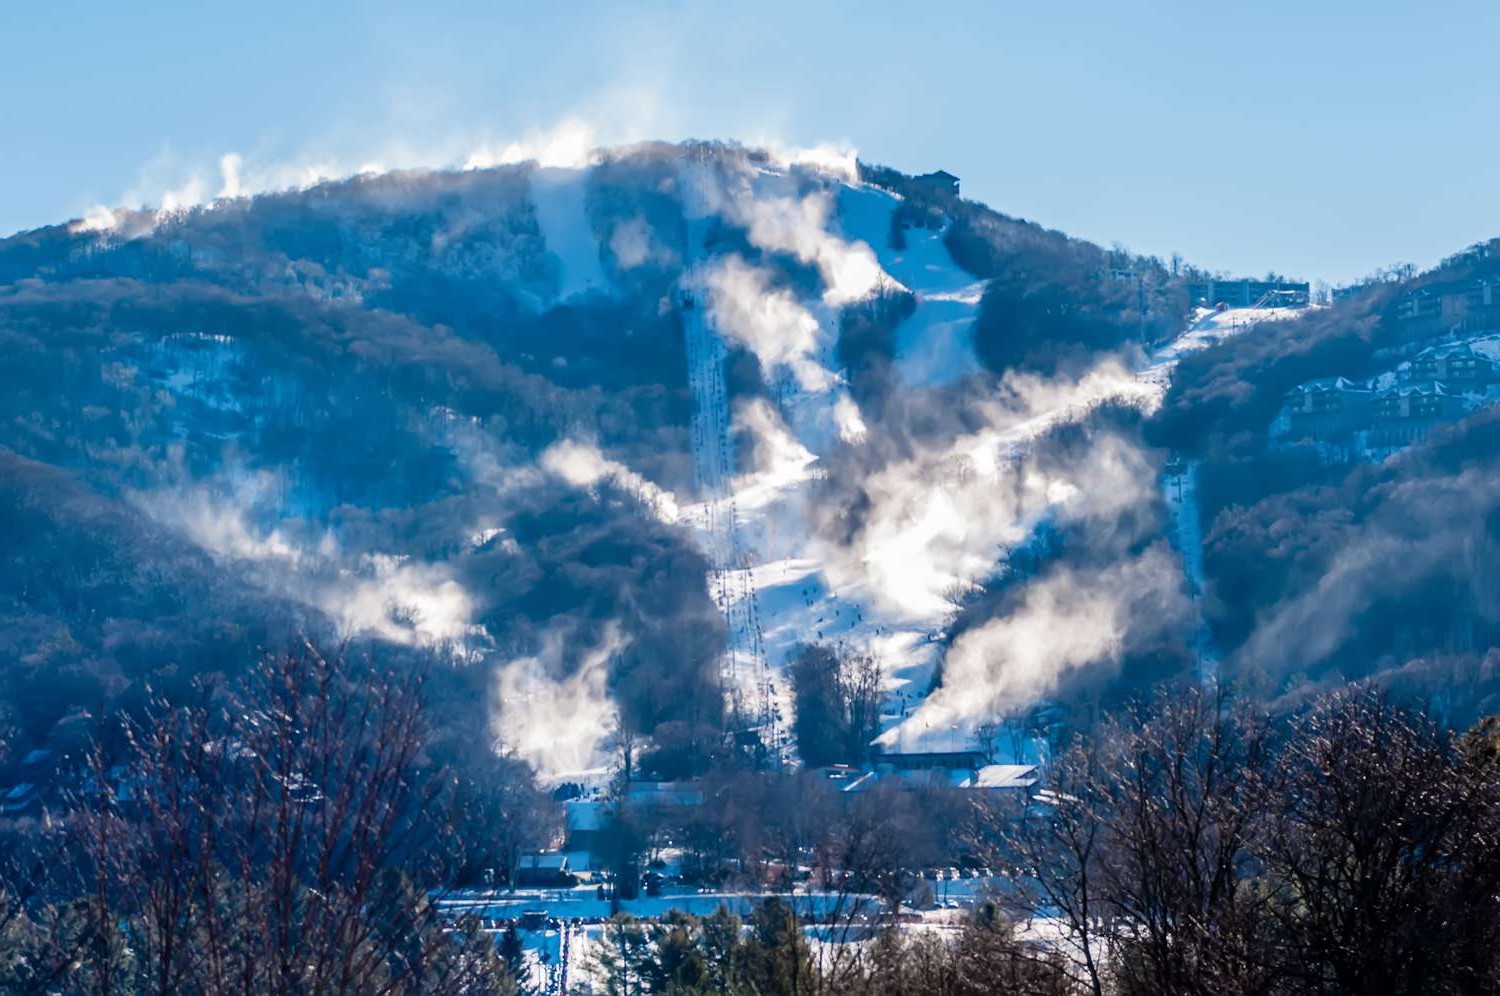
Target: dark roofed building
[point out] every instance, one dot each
(545, 869)
(1330, 408)
(941, 181)
(964, 760)
(1406, 414)
(1429, 311)
(1458, 365)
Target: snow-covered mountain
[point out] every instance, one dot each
(614, 444)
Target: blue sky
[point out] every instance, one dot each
(1320, 139)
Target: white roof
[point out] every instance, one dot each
(991, 776)
(555, 860)
(583, 816)
(999, 776)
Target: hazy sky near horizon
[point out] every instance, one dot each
(1318, 139)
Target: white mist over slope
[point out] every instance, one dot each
(822, 522)
(584, 466)
(938, 520)
(365, 593)
(559, 720)
(1067, 618)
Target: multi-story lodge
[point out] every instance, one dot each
(1403, 415)
(1330, 408)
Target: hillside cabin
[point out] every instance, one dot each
(940, 182)
(585, 823)
(947, 760)
(544, 869)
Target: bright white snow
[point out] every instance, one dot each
(558, 195)
(935, 345)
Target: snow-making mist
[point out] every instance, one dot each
(617, 441)
(939, 520)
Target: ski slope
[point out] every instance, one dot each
(773, 576)
(558, 194)
(1180, 484)
(935, 345)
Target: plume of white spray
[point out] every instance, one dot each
(1067, 619)
(781, 461)
(767, 321)
(378, 594)
(780, 218)
(583, 466)
(230, 166)
(848, 418)
(840, 160)
(570, 143)
(559, 722)
(633, 245)
(799, 226)
(937, 520)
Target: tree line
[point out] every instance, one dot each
(288, 835)
(1193, 844)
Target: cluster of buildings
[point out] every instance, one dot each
(589, 823)
(1442, 309)
(1373, 415)
(1250, 293)
(1447, 339)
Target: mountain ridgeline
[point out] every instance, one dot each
(441, 415)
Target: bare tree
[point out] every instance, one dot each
(1386, 838)
(283, 840)
(1185, 790)
(1050, 854)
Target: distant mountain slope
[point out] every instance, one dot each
(462, 416)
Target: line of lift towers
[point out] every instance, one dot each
(745, 663)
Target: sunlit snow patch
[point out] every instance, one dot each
(558, 195)
(935, 344)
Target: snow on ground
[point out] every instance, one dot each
(1207, 327)
(1486, 345)
(749, 686)
(935, 345)
(770, 577)
(1180, 489)
(558, 195)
